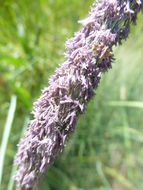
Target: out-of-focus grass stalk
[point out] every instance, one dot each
(6, 133)
(134, 104)
(112, 172)
(11, 179)
(123, 103)
(128, 146)
(102, 175)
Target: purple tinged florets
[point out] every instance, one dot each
(89, 54)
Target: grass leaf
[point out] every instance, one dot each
(14, 168)
(6, 133)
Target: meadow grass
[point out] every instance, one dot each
(105, 152)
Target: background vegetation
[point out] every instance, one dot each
(106, 150)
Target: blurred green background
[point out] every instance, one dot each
(106, 150)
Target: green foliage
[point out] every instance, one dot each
(105, 152)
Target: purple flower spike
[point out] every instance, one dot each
(89, 54)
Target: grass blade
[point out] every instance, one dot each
(134, 104)
(14, 168)
(119, 177)
(6, 133)
(102, 175)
